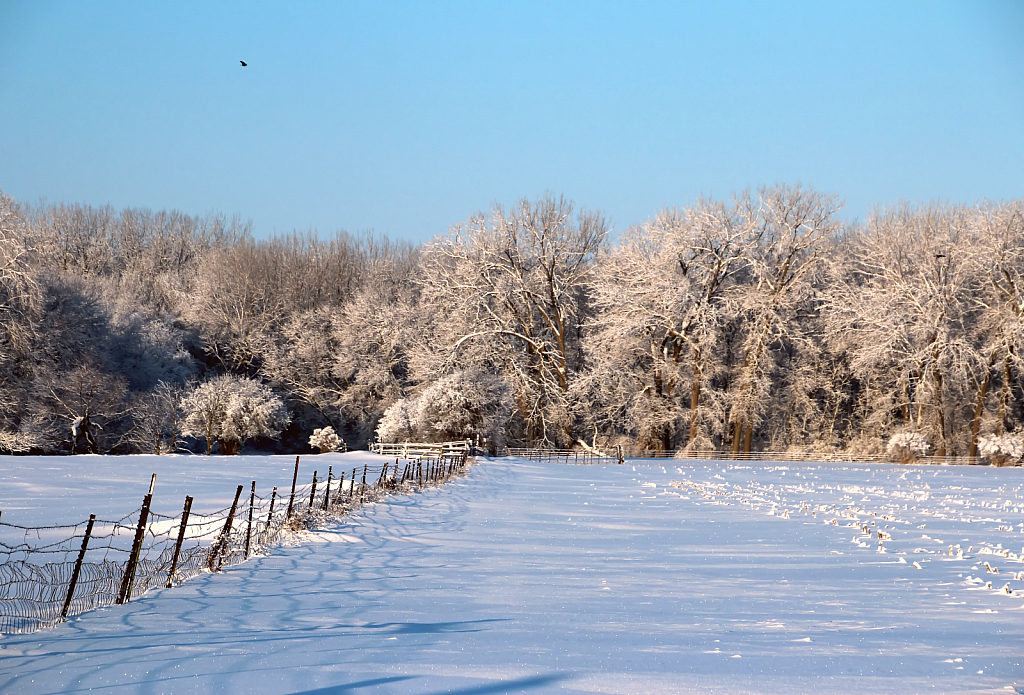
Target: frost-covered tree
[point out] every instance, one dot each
(157, 416)
(232, 410)
(903, 311)
(791, 227)
(514, 283)
(998, 264)
(661, 299)
(399, 423)
(92, 405)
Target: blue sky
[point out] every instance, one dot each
(406, 118)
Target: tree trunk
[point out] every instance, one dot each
(979, 410)
(1004, 395)
(737, 436)
(695, 400)
(940, 418)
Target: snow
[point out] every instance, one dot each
(42, 490)
(530, 577)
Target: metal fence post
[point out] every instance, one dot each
(327, 492)
(248, 530)
(270, 517)
(78, 568)
(181, 538)
(133, 558)
(312, 492)
(295, 478)
(341, 489)
(224, 535)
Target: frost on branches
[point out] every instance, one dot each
(325, 440)
(459, 406)
(907, 447)
(232, 410)
(1001, 449)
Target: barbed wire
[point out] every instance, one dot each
(107, 562)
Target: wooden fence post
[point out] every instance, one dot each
(270, 517)
(140, 535)
(221, 545)
(78, 568)
(181, 538)
(327, 492)
(248, 530)
(312, 492)
(352, 488)
(362, 486)
(295, 477)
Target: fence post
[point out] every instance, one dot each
(327, 492)
(78, 567)
(341, 489)
(270, 517)
(181, 538)
(248, 530)
(140, 534)
(295, 477)
(352, 488)
(362, 486)
(225, 534)
(419, 469)
(312, 492)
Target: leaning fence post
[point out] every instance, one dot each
(181, 539)
(133, 558)
(295, 477)
(352, 488)
(312, 492)
(327, 492)
(362, 488)
(248, 530)
(225, 534)
(78, 567)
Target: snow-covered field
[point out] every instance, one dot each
(526, 577)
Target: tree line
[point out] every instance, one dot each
(762, 322)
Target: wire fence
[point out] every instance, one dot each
(620, 454)
(51, 573)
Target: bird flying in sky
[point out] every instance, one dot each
(243, 63)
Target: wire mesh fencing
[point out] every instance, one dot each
(51, 573)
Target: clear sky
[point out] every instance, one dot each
(406, 118)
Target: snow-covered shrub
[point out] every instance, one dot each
(325, 439)
(907, 447)
(1001, 449)
(865, 446)
(460, 406)
(697, 448)
(232, 410)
